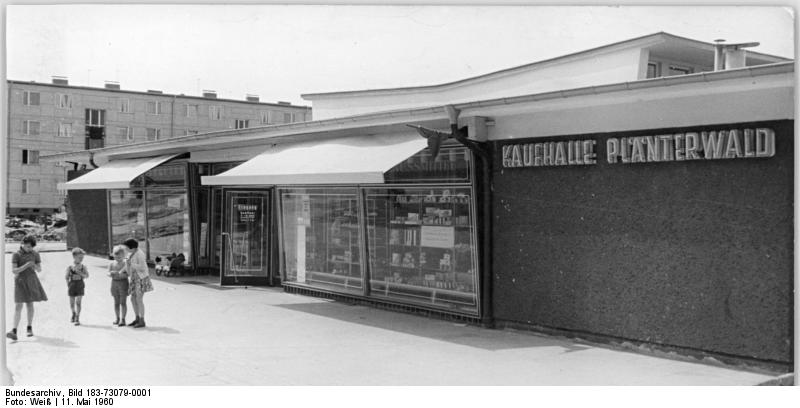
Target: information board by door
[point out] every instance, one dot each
(245, 237)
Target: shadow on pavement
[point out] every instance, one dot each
(55, 342)
(167, 330)
(96, 326)
(465, 335)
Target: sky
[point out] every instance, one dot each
(282, 51)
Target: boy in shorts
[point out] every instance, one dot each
(75, 275)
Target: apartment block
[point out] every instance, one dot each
(49, 118)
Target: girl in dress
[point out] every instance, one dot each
(27, 288)
(118, 272)
(140, 280)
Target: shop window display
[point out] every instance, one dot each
(322, 238)
(422, 246)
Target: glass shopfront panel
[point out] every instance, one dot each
(423, 247)
(322, 239)
(452, 165)
(168, 224)
(173, 174)
(127, 216)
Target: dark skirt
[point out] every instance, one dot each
(76, 288)
(27, 288)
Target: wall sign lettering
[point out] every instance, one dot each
(710, 145)
(563, 153)
(723, 144)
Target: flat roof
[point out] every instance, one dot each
(91, 88)
(644, 40)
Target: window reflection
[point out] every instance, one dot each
(168, 224)
(127, 215)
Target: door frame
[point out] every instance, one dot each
(226, 243)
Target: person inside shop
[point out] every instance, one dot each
(26, 263)
(140, 282)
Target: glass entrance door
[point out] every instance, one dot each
(245, 237)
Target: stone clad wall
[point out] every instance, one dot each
(695, 254)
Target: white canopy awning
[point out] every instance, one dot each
(114, 174)
(346, 160)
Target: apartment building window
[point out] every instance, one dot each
(30, 186)
(215, 112)
(191, 111)
(30, 98)
(242, 124)
(30, 156)
(125, 105)
(652, 70)
(153, 134)
(154, 108)
(679, 70)
(30, 127)
(95, 117)
(65, 130)
(288, 118)
(265, 119)
(63, 101)
(125, 134)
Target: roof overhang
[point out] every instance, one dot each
(432, 117)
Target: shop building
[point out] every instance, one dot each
(655, 211)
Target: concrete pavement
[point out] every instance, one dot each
(202, 334)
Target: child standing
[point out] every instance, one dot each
(27, 288)
(75, 275)
(118, 271)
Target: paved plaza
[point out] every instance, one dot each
(202, 334)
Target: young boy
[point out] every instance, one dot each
(75, 275)
(118, 272)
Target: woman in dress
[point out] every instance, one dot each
(140, 280)
(27, 288)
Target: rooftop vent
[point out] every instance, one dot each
(154, 91)
(284, 103)
(730, 56)
(112, 85)
(209, 94)
(252, 98)
(60, 80)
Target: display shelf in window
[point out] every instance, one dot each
(424, 248)
(443, 297)
(334, 279)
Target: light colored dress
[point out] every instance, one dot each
(140, 274)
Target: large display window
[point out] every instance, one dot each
(168, 224)
(154, 212)
(422, 246)
(322, 239)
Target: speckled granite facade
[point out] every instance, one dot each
(694, 254)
